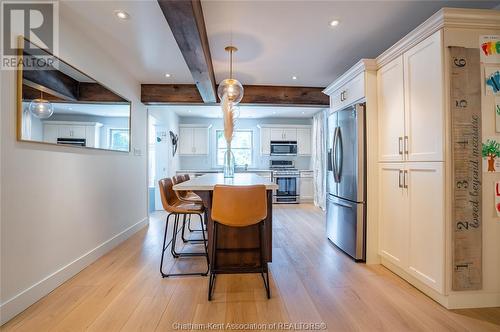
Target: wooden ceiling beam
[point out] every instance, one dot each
(254, 94)
(186, 21)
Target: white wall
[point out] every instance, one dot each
(259, 161)
(165, 164)
(63, 207)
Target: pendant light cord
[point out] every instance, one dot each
(231, 64)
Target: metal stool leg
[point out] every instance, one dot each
(263, 262)
(164, 242)
(211, 281)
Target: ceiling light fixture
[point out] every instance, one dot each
(167, 75)
(122, 15)
(294, 78)
(334, 23)
(41, 108)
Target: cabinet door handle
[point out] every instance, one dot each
(400, 145)
(405, 178)
(406, 144)
(399, 178)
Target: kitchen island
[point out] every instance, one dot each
(232, 238)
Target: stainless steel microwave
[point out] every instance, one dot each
(283, 148)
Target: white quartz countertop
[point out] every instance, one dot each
(208, 181)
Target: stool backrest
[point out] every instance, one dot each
(168, 197)
(239, 206)
(178, 179)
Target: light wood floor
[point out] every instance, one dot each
(312, 282)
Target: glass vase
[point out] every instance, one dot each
(229, 164)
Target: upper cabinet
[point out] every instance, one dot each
(299, 133)
(391, 115)
(304, 146)
(283, 134)
(411, 104)
(349, 93)
(193, 140)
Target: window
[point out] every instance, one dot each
(241, 146)
(119, 139)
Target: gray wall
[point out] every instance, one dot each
(208, 162)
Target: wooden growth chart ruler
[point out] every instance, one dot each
(465, 82)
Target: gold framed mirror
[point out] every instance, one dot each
(59, 104)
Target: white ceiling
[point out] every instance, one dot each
(276, 39)
(245, 111)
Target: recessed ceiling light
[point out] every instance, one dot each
(294, 77)
(303, 112)
(122, 15)
(334, 23)
(189, 111)
(274, 112)
(167, 75)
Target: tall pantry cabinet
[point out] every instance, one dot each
(411, 154)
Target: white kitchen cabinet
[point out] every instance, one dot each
(299, 133)
(193, 140)
(424, 100)
(185, 140)
(411, 215)
(426, 239)
(391, 117)
(304, 141)
(349, 93)
(72, 131)
(90, 131)
(265, 141)
(306, 186)
(283, 134)
(50, 133)
(393, 211)
(200, 140)
(411, 104)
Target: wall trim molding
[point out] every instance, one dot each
(453, 300)
(444, 18)
(360, 66)
(32, 294)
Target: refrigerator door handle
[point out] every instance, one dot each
(343, 205)
(336, 175)
(340, 153)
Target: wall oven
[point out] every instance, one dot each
(283, 148)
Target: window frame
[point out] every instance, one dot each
(110, 138)
(252, 156)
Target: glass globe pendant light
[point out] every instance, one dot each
(41, 108)
(230, 87)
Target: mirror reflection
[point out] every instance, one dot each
(61, 105)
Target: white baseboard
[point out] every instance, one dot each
(23, 300)
(453, 300)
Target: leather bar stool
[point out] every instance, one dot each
(178, 208)
(239, 206)
(189, 197)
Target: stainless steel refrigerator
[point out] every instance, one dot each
(346, 181)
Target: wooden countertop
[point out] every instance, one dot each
(208, 181)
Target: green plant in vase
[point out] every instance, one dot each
(491, 150)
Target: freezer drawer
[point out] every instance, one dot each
(345, 226)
